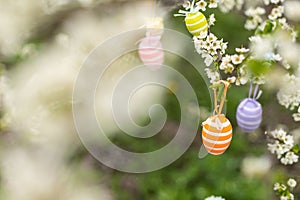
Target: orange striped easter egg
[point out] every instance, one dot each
(216, 134)
(196, 23)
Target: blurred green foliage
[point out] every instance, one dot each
(194, 178)
(191, 177)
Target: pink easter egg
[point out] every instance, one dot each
(151, 52)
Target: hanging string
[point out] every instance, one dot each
(215, 102)
(250, 90)
(218, 109)
(226, 85)
(258, 95)
(255, 91)
(193, 4)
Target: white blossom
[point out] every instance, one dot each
(242, 50)
(213, 3)
(226, 59)
(276, 13)
(210, 48)
(283, 147)
(241, 80)
(279, 133)
(276, 148)
(292, 182)
(251, 24)
(255, 18)
(283, 187)
(226, 5)
(214, 198)
(211, 20)
(284, 198)
(186, 5)
(231, 79)
(273, 57)
(284, 160)
(213, 75)
(215, 45)
(284, 25)
(255, 39)
(289, 140)
(237, 59)
(226, 67)
(296, 117)
(291, 158)
(277, 57)
(276, 186)
(259, 80)
(294, 35)
(276, 1)
(208, 59)
(211, 38)
(201, 5)
(284, 191)
(255, 11)
(289, 93)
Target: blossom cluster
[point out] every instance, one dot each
(213, 50)
(201, 5)
(210, 47)
(289, 96)
(229, 63)
(273, 43)
(254, 17)
(227, 5)
(214, 198)
(284, 147)
(284, 191)
(263, 46)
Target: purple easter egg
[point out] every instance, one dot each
(249, 115)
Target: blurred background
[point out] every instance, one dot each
(43, 44)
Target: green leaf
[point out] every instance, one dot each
(295, 149)
(258, 67)
(268, 27)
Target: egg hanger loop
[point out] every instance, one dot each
(256, 94)
(259, 94)
(218, 108)
(250, 90)
(255, 91)
(226, 85)
(215, 102)
(192, 6)
(192, 9)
